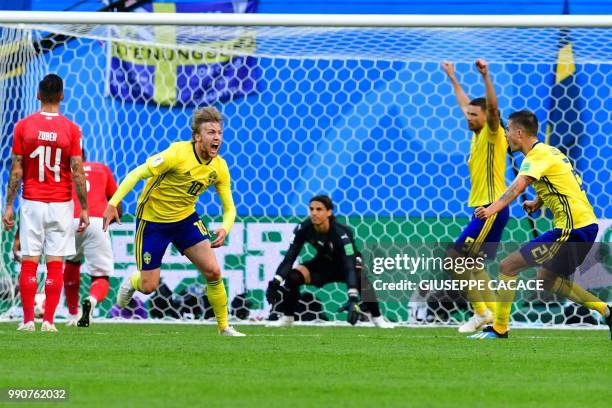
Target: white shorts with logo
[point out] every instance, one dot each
(46, 228)
(94, 246)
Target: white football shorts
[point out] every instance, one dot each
(46, 228)
(94, 246)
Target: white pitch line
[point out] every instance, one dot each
(284, 335)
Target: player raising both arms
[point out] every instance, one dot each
(487, 165)
(47, 157)
(337, 260)
(557, 252)
(166, 211)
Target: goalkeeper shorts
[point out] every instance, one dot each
(323, 271)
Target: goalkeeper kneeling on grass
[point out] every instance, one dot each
(336, 261)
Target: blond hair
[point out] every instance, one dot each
(205, 115)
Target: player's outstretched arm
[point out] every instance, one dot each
(285, 266)
(519, 185)
(348, 261)
(492, 104)
(111, 214)
(462, 99)
(15, 177)
(229, 214)
(292, 253)
(79, 179)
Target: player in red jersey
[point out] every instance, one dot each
(47, 158)
(94, 245)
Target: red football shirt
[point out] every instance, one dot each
(47, 141)
(101, 186)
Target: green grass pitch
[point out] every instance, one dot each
(190, 365)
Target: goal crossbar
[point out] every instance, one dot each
(304, 20)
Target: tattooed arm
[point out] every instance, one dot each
(78, 177)
(15, 177)
(519, 185)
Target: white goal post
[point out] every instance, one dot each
(355, 106)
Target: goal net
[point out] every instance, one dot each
(364, 114)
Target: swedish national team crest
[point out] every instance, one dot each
(147, 258)
(212, 178)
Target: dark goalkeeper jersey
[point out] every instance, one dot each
(336, 246)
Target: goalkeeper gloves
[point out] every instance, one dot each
(272, 291)
(353, 307)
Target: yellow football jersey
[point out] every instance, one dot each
(558, 186)
(487, 164)
(179, 177)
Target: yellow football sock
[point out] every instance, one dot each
(589, 300)
(135, 280)
(488, 296)
(577, 294)
(473, 295)
(218, 300)
(504, 305)
(480, 308)
(597, 305)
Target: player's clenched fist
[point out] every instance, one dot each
(482, 66)
(531, 206)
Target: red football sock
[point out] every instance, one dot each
(72, 280)
(53, 288)
(27, 289)
(99, 287)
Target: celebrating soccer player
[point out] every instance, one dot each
(336, 260)
(47, 156)
(487, 165)
(557, 252)
(166, 211)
